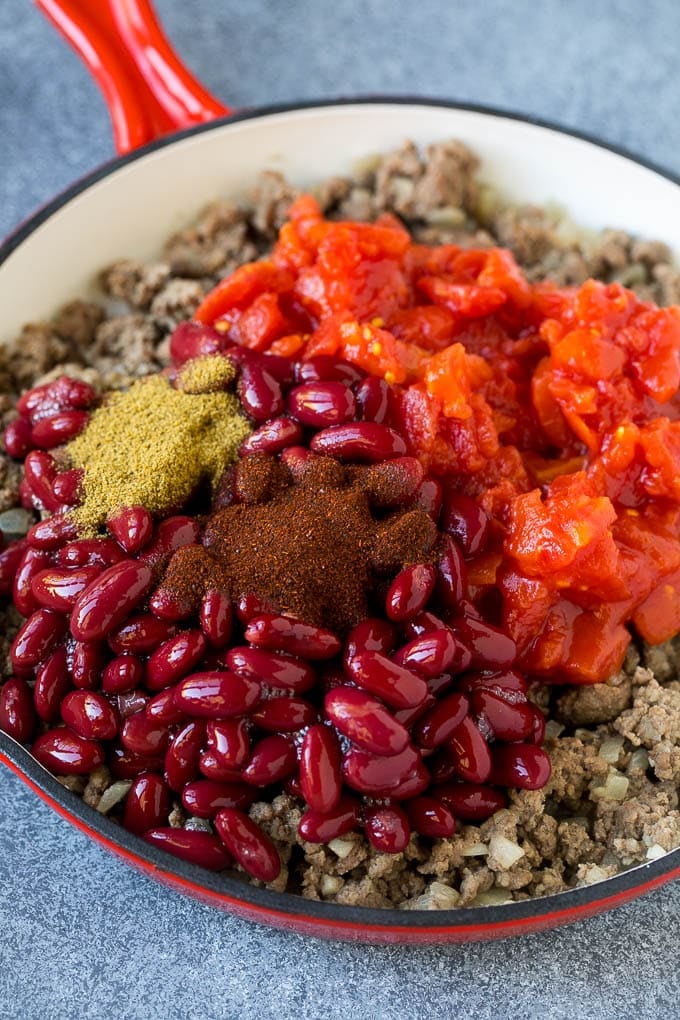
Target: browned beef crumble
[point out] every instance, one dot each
(612, 800)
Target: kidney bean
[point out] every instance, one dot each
(58, 429)
(216, 618)
(272, 437)
(292, 786)
(39, 636)
(381, 777)
(205, 797)
(17, 714)
(68, 486)
(105, 603)
(90, 552)
(297, 459)
(440, 766)
(260, 393)
(132, 527)
(182, 757)
(200, 848)
(504, 683)
(321, 769)
(538, 726)
(374, 399)
(319, 405)
(10, 558)
(26, 497)
(131, 702)
(466, 521)
(122, 674)
(174, 659)
(391, 484)
(272, 759)
(408, 716)
(441, 722)
(410, 591)
(452, 574)
(281, 368)
(429, 497)
(216, 694)
(140, 634)
(327, 368)
(126, 765)
(40, 470)
(210, 766)
(163, 710)
(62, 394)
(87, 663)
(144, 736)
(511, 722)
(251, 605)
(193, 340)
(372, 634)
(393, 684)
(65, 753)
(433, 653)
(471, 802)
(248, 844)
(490, 647)
(60, 589)
(275, 669)
(17, 438)
(147, 804)
(430, 817)
(318, 827)
(363, 441)
(229, 739)
(283, 715)
(521, 766)
(387, 828)
(365, 721)
(283, 634)
(89, 715)
(171, 534)
(32, 563)
(169, 605)
(470, 752)
(53, 532)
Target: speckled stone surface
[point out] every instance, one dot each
(80, 934)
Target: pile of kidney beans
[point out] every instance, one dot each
(413, 720)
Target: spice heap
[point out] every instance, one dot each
(154, 444)
(311, 549)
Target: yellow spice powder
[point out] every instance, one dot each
(152, 445)
(205, 375)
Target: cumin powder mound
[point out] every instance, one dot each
(153, 445)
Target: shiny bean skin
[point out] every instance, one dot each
(105, 603)
(260, 393)
(126, 765)
(326, 368)
(272, 437)
(452, 579)
(216, 617)
(87, 663)
(387, 828)
(40, 470)
(410, 591)
(210, 766)
(521, 766)
(193, 340)
(276, 669)
(272, 759)
(162, 708)
(321, 769)
(171, 534)
(373, 634)
(132, 527)
(363, 441)
(511, 722)
(58, 429)
(17, 438)
(374, 400)
(365, 721)
(89, 715)
(174, 659)
(122, 674)
(147, 804)
(433, 653)
(423, 623)
(60, 589)
(17, 714)
(282, 634)
(144, 735)
(283, 715)
(182, 757)
(538, 727)
(53, 532)
(430, 817)
(10, 558)
(215, 694)
(170, 606)
(441, 722)
(250, 606)
(248, 844)
(470, 752)
(471, 802)
(32, 563)
(319, 405)
(62, 394)
(377, 776)
(491, 648)
(64, 753)
(52, 684)
(90, 552)
(39, 636)
(205, 797)
(68, 486)
(507, 683)
(229, 740)
(131, 702)
(393, 684)
(318, 827)
(466, 522)
(140, 634)
(201, 848)
(429, 497)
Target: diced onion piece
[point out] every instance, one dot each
(639, 761)
(437, 896)
(475, 850)
(113, 795)
(615, 787)
(655, 851)
(341, 847)
(504, 851)
(611, 749)
(491, 898)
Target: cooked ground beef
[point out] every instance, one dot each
(612, 800)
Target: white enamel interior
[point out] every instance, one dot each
(133, 209)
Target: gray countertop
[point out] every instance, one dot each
(81, 934)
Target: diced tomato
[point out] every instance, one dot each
(241, 288)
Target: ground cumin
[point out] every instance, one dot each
(153, 445)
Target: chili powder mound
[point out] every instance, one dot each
(313, 549)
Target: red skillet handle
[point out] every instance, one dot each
(147, 88)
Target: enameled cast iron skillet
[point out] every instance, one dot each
(179, 148)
